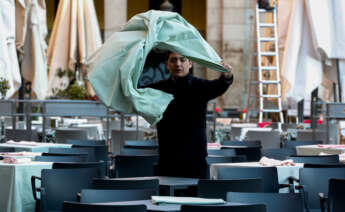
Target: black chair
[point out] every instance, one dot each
(282, 202)
(82, 207)
(141, 144)
(317, 159)
(87, 150)
(293, 144)
(242, 143)
(314, 181)
(7, 149)
(62, 158)
(219, 188)
(21, 135)
(269, 176)
(252, 153)
(86, 142)
(223, 208)
(99, 165)
(222, 152)
(336, 195)
(134, 151)
(225, 159)
(135, 166)
(125, 183)
(112, 195)
(58, 185)
(319, 165)
(101, 151)
(278, 154)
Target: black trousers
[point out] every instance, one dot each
(183, 168)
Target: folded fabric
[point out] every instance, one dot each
(115, 69)
(16, 160)
(331, 146)
(264, 161)
(185, 200)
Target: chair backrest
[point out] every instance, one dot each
(135, 166)
(282, 202)
(225, 159)
(141, 144)
(134, 151)
(82, 207)
(269, 175)
(222, 152)
(118, 138)
(114, 195)
(269, 139)
(292, 144)
(316, 180)
(7, 149)
(253, 153)
(21, 135)
(85, 142)
(319, 165)
(87, 150)
(125, 183)
(101, 151)
(219, 188)
(242, 143)
(69, 158)
(99, 165)
(60, 185)
(61, 135)
(318, 159)
(223, 208)
(336, 195)
(278, 154)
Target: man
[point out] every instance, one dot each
(182, 130)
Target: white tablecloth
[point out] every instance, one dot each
(33, 146)
(318, 149)
(15, 185)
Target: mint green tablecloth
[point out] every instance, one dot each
(41, 147)
(114, 70)
(15, 185)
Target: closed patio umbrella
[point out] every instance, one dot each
(75, 36)
(9, 68)
(31, 30)
(315, 37)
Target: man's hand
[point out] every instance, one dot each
(227, 75)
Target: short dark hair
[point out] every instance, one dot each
(167, 54)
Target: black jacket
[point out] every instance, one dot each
(182, 130)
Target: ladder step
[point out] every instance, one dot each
(271, 110)
(266, 82)
(270, 82)
(266, 25)
(265, 68)
(267, 39)
(266, 11)
(270, 96)
(268, 54)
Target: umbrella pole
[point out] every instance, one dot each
(339, 81)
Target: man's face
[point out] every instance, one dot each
(178, 65)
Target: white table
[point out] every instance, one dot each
(317, 149)
(15, 185)
(284, 172)
(33, 146)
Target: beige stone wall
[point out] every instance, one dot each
(229, 28)
(114, 23)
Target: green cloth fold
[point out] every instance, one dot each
(114, 70)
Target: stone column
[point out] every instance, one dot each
(115, 16)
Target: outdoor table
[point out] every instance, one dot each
(169, 183)
(153, 207)
(284, 172)
(33, 146)
(15, 186)
(317, 149)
